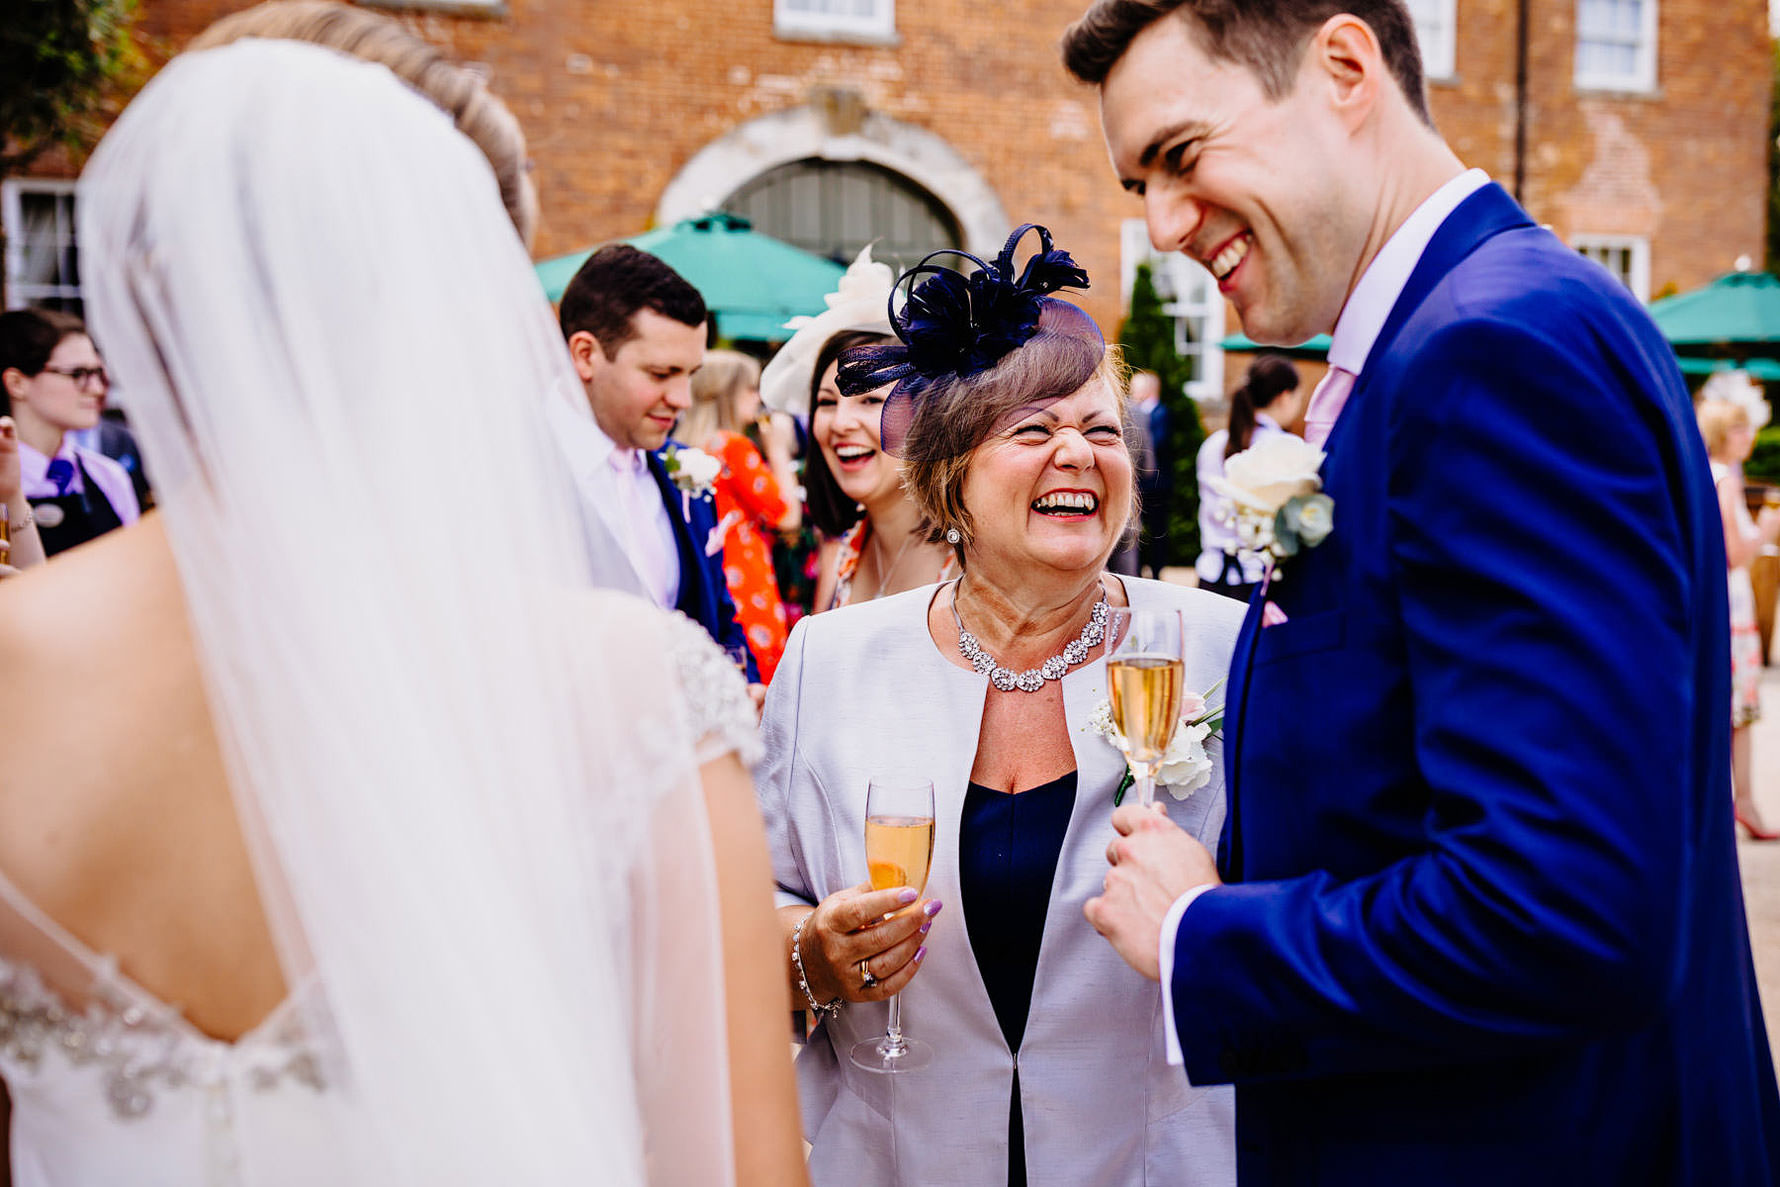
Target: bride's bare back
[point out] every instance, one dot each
(119, 824)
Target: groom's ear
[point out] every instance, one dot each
(1345, 61)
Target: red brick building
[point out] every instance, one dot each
(1638, 133)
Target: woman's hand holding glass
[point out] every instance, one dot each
(859, 930)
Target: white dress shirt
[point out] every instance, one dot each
(1357, 329)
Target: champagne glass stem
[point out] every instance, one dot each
(893, 1040)
(1145, 781)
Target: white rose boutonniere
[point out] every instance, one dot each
(1185, 766)
(693, 470)
(1277, 505)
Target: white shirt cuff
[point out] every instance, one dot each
(1165, 960)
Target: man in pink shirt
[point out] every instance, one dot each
(54, 385)
(636, 332)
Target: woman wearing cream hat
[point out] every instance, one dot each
(876, 540)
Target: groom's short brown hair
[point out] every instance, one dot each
(1267, 36)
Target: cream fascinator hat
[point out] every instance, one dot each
(860, 303)
(1736, 387)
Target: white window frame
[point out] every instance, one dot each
(20, 293)
(804, 25)
(1177, 274)
(1642, 78)
(1439, 54)
(1637, 277)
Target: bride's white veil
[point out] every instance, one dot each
(468, 781)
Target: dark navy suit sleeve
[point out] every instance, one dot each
(1545, 574)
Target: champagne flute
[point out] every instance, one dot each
(898, 850)
(1144, 676)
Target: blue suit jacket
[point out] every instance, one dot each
(1486, 925)
(704, 592)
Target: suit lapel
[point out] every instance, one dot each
(1480, 217)
(692, 569)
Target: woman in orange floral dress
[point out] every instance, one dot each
(755, 497)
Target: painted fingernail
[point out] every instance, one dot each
(926, 927)
(921, 951)
(907, 894)
(933, 907)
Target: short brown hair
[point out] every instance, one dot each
(456, 90)
(934, 474)
(604, 295)
(1266, 36)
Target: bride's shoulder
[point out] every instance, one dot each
(662, 655)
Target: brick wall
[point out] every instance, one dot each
(617, 98)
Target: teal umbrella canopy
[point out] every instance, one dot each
(1316, 348)
(752, 283)
(1738, 310)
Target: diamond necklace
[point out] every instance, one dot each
(1032, 679)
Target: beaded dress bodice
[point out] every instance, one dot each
(111, 1085)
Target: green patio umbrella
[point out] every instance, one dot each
(1736, 315)
(1316, 348)
(752, 282)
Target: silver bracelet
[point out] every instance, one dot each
(30, 520)
(817, 1008)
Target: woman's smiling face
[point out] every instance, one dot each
(1054, 488)
(846, 430)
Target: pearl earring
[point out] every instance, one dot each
(954, 536)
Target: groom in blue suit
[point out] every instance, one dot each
(1476, 916)
(636, 332)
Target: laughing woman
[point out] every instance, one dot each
(1050, 1063)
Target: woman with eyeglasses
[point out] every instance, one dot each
(53, 385)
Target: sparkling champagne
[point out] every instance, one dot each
(898, 850)
(1146, 702)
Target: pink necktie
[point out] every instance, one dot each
(1326, 403)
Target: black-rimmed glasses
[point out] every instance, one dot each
(82, 376)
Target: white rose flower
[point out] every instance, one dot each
(1186, 767)
(1272, 472)
(695, 470)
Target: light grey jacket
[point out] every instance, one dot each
(863, 691)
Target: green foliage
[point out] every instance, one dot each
(1148, 341)
(64, 67)
(1764, 460)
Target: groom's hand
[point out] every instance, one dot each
(1153, 863)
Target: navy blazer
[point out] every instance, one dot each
(1485, 923)
(704, 592)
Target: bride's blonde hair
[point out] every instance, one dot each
(458, 91)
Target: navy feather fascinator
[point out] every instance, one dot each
(953, 326)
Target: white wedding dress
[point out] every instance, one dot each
(467, 776)
(112, 1086)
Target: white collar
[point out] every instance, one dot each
(1363, 317)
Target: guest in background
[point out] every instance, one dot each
(1155, 475)
(1267, 401)
(21, 547)
(1729, 438)
(636, 332)
(55, 384)
(1127, 560)
(878, 542)
(751, 502)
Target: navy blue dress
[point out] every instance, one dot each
(1008, 847)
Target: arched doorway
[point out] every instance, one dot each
(834, 208)
(915, 173)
